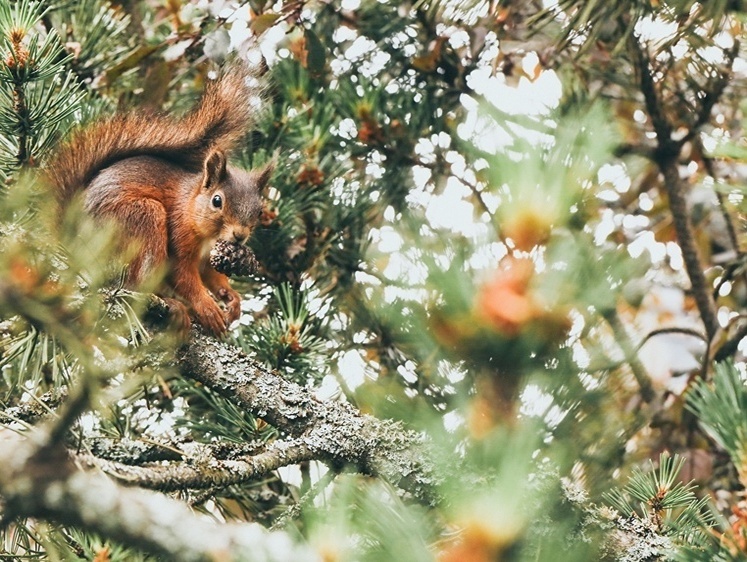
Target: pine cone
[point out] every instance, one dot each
(232, 259)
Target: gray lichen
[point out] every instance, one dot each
(334, 431)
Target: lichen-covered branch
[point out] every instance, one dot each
(36, 409)
(44, 483)
(334, 432)
(140, 451)
(203, 470)
(40, 478)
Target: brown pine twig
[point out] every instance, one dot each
(667, 153)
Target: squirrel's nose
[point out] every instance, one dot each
(240, 236)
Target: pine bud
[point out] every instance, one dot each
(19, 55)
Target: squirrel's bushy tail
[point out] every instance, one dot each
(224, 114)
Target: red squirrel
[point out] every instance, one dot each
(166, 183)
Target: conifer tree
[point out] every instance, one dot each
(497, 312)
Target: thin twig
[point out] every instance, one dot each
(673, 330)
(730, 346)
(631, 355)
(295, 510)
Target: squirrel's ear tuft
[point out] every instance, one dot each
(214, 169)
(264, 174)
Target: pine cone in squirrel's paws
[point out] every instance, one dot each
(232, 259)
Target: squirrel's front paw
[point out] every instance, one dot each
(210, 317)
(232, 300)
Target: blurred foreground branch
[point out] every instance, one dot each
(41, 478)
(43, 482)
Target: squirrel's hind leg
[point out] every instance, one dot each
(145, 225)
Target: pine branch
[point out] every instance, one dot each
(141, 451)
(333, 431)
(43, 482)
(667, 152)
(730, 346)
(204, 471)
(39, 479)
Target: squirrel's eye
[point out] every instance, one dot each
(217, 201)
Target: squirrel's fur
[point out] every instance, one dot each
(224, 114)
(166, 184)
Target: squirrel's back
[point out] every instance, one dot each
(224, 114)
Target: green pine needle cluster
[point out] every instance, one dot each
(510, 346)
(289, 338)
(719, 405)
(38, 94)
(659, 499)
